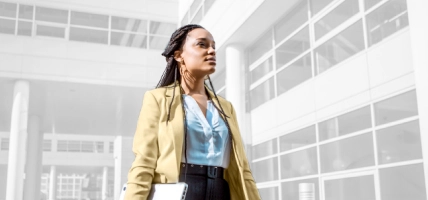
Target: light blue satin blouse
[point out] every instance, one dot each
(207, 137)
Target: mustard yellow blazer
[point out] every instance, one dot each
(158, 148)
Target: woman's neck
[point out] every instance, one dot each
(193, 87)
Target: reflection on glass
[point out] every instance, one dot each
(197, 17)
(128, 40)
(8, 9)
(262, 93)
(349, 153)
(88, 35)
(355, 188)
(50, 31)
(7, 26)
(269, 193)
(89, 19)
(386, 20)
(337, 16)
(399, 143)
(296, 139)
(265, 170)
(370, 3)
(396, 108)
(25, 28)
(293, 47)
(294, 74)
(260, 47)
(25, 12)
(52, 15)
(162, 28)
(340, 47)
(290, 190)
(157, 42)
(128, 24)
(296, 17)
(404, 182)
(265, 149)
(345, 124)
(300, 163)
(318, 5)
(261, 70)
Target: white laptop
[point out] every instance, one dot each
(169, 191)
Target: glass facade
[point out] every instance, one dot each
(315, 36)
(197, 10)
(31, 20)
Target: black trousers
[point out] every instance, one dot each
(204, 182)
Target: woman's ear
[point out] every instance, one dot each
(177, 56)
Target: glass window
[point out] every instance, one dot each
(74, 146)
(291, 190)
(89, 19)
(111, 147)
(194, 6)
(340, 47)
(207, 5)
(290, 22)
(197, 18)
(47, 145)
(354, 188)
(162, 28)
(296, 139)
(62, 145)
(8, 9)
(404, 182)
(294, 74)
(4, 144)
(261, 70)
(269, 193)
(52, 15)
(293, 47)
(158, 42)
(399, 143)
(262, 93)
(337, 16)
(129, 24)
(345, 124)
(299, 163)
(265, 149)
(128, 40)
(88, 35)
(25, 12)
(87, 146)
(100, 147)
(266, 170)
(261, 47)
(25, 28)
(50, 31)
(7, 26)
(370, 3)
(318, 5)
(386, 20)
(396, 108)
(349, 153)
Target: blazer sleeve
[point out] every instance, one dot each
(250, 184)
(145, 148)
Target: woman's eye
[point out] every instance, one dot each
(201, 44)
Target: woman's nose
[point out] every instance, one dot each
(211, 50)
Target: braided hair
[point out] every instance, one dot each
(171, 75)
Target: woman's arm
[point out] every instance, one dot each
(145, 148)
(250, 184)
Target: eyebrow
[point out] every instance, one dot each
(205, 39)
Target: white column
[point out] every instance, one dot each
(104, 184)
(17, 142)
(123, 158)
(33, 167)
(418, 33)
(52, 183)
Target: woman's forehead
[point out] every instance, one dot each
(200, 33)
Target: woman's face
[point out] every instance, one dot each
(198, 53)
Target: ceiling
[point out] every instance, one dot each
(76, 108)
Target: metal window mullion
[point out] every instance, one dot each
(16, 19)
(68, 27)
(109, 30)
(363, 18)
(33, 22)
(274, 64)
(148, 34)
(279, 164)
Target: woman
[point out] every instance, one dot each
(185, 132)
